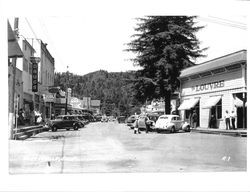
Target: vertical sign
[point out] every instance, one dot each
(34, 77)
(34, 61)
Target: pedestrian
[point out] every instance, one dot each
(191, 119)
(233, 117)
(136, 127)
(227, 120)
(194, 119)
(212, 123)
(147, 123)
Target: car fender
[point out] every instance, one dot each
(185, 125)
(170, 125)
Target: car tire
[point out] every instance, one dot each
(76, 127)
(172, 129)
(54, 129)
(188, 129)
(67, 129)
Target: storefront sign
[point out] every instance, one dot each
(49, 98)
(34, 77)
(208, 86)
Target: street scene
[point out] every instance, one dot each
(143, 95)
(112, 147)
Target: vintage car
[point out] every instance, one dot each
(121, 119)
(83, 120)
(131, 119)
(152, 118)
(65, 122)
(171, 123)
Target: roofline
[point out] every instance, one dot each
(243, 50)
(217, 58)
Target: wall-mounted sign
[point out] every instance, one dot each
(34, 77)
(208, 86)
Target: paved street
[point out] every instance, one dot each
(112, 147)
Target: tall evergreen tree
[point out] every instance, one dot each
(164, 46)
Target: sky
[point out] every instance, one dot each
(88, 43)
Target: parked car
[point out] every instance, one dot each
(82, 120)
(104, 118)
(131, 119)
(152, 120)
(121, 119)
(98, 117)
(89, 117)
(171, 123)
(65, 122)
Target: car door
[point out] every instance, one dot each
(178, 122)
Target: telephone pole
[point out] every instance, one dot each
(66, 91)
(12, 104)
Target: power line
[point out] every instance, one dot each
(233, 22)
(32, 29)
(49, 39)
(222, 23)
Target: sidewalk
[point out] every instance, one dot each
(238, 132)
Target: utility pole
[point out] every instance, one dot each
(66, 91)
(12, 109)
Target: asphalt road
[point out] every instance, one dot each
(112, 147)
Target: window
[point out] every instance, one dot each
(30, 68)
(217, 110)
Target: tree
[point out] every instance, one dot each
(164, 46)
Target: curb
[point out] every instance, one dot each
(237, 133)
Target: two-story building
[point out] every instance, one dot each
(215, 86)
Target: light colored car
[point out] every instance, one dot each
(171, 123)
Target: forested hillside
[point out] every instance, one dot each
(115, 89)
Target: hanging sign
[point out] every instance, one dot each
(34, 77)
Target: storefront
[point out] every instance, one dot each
(214, 87)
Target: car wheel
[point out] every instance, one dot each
(172, 129)
(188, 129)
(54, 129)
(76, 127)
(67, 129)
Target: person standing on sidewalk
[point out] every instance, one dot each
(194, 119)
(227, 119)
(147, 123)
(136, 127)
(233, 117)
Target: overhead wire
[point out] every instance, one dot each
(222, 23)
(46, 33)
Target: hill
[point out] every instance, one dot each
(114, 89)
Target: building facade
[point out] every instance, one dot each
(28, 95)
(214, 87)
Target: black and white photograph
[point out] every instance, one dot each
(102, 91)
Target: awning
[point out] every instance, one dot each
(188, 104)
(212, 101)
(238, 102)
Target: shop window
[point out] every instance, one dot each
(217, 110)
